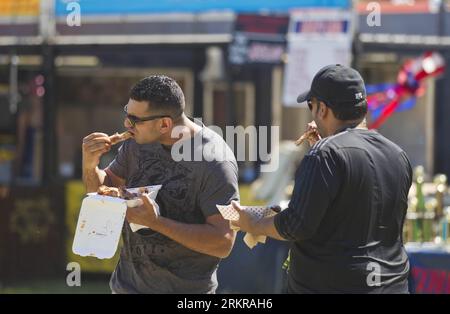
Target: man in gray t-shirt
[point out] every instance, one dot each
(181, 249)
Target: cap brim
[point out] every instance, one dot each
(304, 97)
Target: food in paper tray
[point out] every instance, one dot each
(228, 212)
(122, 192)
(132, 197)
(108, 191)
(101, 219)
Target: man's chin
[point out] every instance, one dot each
(141, 141)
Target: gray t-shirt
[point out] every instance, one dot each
(149, 261)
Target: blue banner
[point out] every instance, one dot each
(118, 7)
(430, 269)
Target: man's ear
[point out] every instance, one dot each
(323, 110)
(166, 125)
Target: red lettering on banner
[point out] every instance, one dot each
(419, 278)
(437, 281)
(431, 280)
(447, 290)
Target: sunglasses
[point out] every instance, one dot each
(133, 120)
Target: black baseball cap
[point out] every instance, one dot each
(336, 85)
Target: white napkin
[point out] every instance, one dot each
(136, 227)
(228, 212)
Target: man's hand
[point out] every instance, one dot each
(254, 225)
(311, 134)
(313, 131)
(94, 146)
(145, 214)
(246, 222)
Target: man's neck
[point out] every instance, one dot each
(355, 124)
(362, 124)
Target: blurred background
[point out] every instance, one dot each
(66, 68)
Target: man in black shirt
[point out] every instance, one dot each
(346, 214)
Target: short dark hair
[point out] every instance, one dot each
(163, 94)
(353, 112)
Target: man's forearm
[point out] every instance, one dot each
(202, 238)
(93, 178)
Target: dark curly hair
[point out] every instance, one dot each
(163, 94)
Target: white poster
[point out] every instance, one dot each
(316, 38)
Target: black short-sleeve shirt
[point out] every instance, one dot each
(191, 188)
